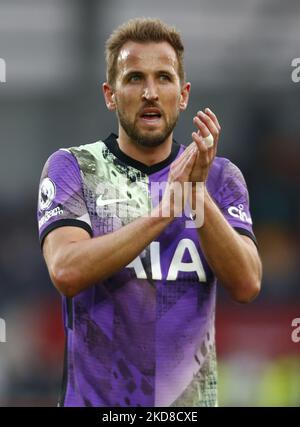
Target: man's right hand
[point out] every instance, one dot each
(175, 197)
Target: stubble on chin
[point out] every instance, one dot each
(146, 139)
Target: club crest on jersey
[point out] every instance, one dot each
(46, 194)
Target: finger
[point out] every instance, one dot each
(199, 141)
(175, 167)
(204, 152)
(185, 154)
(189, 148)
(209, 124)
(213, 117)
(191, 160)
(179, 159)
(203, 129)
(186, 164)
(191, 154)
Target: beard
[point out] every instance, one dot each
(146, 138)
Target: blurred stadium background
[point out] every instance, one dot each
(238, 58)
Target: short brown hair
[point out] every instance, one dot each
(142, 30)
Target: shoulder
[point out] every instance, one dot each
(217, 172)
(225, 177)
(223, 169)
(93, 149)
(75, 155)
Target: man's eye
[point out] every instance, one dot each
(134, 78)
(164, 77)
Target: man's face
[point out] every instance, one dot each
(148, 95)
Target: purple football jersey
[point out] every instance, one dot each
(145, 336)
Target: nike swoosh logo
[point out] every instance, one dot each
(104, 202)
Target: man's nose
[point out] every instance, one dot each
(150, 91)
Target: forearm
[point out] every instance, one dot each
(234, 261)
(78, 265)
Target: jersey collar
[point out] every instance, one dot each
(112, 144)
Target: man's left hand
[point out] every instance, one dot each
(207, 123)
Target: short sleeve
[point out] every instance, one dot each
(233, 200)
(61, 200)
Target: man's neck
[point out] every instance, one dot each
(146, 155)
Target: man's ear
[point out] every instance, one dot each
(184, 96)
(109, 96)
